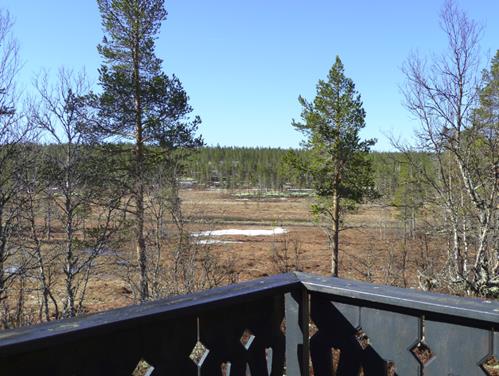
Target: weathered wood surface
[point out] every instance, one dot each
(460, 333)
(481, 311)
(242, 327)
(37, 336)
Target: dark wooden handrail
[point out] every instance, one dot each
(269, 326)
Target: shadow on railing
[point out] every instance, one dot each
(262, 327)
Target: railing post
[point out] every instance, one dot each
(297, 343)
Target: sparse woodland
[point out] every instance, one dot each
(460, 129)
(90, 180)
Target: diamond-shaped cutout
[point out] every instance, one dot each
(390, 368)
(362, 338)
(336, 355)
(312, 329)
(491, 366)
(199, 354)
(247, 339)
(422, 352)
(282, 327)
(225, 368)
(143, 369)
(269, 353)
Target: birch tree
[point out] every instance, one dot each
(83, 190)
(442, 93)
(14, 132)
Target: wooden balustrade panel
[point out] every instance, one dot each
(231, 330)
(113, 354)
(337, 326)
(457, 350)
(166, 346)
(239, 338)
(368, 339)
(379, 341)
(297, 327)
(392, 336)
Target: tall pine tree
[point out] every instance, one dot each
(337, 158)
(139, 103)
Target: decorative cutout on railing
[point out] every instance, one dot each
(143, 369)
(312, 329)
(247, 339)
(225, 368)
(199, 353)
(391, 370)
(422, 353)
(269, 353)
(362, 338)
(282, 326)
(490, 366)
(336, 355)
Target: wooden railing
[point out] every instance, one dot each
(289, 324)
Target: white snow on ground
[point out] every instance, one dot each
(274, 231)
(11, 270)
(215, 241)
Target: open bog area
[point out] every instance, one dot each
(239, 235)
(259, 237)
(294, 239)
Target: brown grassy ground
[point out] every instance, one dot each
(366, 245)
(370, 248)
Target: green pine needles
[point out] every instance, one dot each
(336, 158)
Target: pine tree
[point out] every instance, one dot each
(485, 146)
(337, 158)
(487, 114)
(139, 102)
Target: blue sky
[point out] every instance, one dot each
(244, 64)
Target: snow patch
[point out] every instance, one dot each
(274, 231)
(11, 269)
(215, 241)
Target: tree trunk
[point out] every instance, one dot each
(141, 243)
(39, 259)
(139, 180)
(44, 283)
(3, 290)
(70, 310)
(335, 235)
(48, 219)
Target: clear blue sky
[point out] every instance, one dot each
(244, 63)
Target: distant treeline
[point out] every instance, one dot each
(242, 167)
(264, 168)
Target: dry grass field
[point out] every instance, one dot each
(367, 244)
(371, 246)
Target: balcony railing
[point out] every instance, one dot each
(292, 324)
